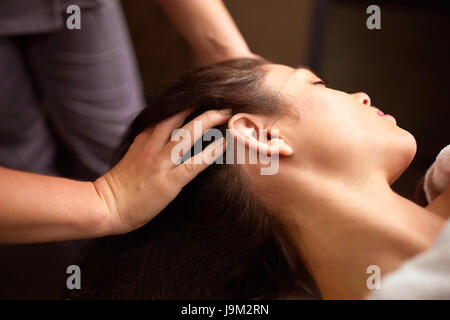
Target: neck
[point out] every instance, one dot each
(345, 227)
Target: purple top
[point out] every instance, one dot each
(21, 17)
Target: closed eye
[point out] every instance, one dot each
(320, 82)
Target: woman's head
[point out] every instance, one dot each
(329, 132)
(219, 238)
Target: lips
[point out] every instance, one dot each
(382, 114)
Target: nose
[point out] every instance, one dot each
(362, 97)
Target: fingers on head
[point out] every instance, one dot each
(189, 169)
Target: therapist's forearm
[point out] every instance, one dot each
(208, 27)
(36, 208)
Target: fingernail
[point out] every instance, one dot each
(226, 111)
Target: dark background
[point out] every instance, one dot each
(403, 67)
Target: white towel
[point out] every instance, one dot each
(437, 177)
(426, 276)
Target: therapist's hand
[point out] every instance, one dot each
(146, 180)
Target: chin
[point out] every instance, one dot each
(402, 156)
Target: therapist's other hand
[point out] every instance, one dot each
(146, 179)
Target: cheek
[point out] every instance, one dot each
(325, 121)
(335, 122)
(326, 140)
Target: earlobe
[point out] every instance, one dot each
(251, 131)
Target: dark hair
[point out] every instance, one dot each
(216, 240)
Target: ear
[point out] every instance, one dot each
(253, 131)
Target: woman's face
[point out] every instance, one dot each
(336, 132)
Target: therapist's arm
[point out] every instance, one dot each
(208, 27)
(37, 208)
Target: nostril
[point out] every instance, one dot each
(365, 99)
(362, 98)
